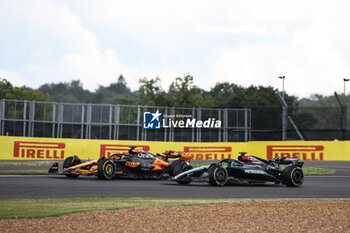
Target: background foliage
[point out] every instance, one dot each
(317, 111)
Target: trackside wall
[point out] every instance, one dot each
(29, 148)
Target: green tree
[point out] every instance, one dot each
(326, 110)
(228, 95)
(183, 93)
(115, 93)
(266, 109)
(72, 92)
(151, 92)
(8, 91)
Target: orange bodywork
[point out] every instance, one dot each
(84, 164)
(160, 164)
(92, 170)
(185, 156)
(181, 155)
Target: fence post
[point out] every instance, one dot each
(193, 116)
(250, 124)
(82, 121)
(342, 116)
(165, 129)
(284, 115)
(144, 131)
(88, 122)
(225, 125)
(172, 129)
(138, 123)
(246, 125)
(199, 131)
(284, 122)
(31, 119)
(53, 119)
(2, 114)
(60, 120)
(219, 133)
(24, 117)
(116, 122)
(110, 122)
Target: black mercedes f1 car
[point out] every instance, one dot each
(246, 170)
(134, 164)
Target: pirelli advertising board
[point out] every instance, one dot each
(25, 148)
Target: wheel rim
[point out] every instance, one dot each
(109, 169)
(220, 175)
(297, 177)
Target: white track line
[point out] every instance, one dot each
(327, 176)
(29, 175)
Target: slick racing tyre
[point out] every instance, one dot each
(105, 169)
(293, 176)
(69, 162)
(182, 167)
(173, 165)
(218, 175)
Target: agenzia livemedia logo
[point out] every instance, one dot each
(151, 120)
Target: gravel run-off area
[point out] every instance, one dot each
(256, 216)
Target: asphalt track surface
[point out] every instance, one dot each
(47, 186)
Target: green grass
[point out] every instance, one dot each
(27, 163)
(310, 171)
(24, 172)
(28, 208)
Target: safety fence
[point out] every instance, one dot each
(117, 122)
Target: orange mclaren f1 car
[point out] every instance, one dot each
(134, 164)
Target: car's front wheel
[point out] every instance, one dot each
(69, 162)
(105, 169)
(182, 167)
(218, 175)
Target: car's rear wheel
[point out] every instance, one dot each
(105, 169)
(293, 176)
(218, 175)
(182, 167)
(69, 162)
(173, 165)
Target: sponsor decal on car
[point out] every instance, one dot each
(132, 164)
(312, 152)
(254, 172)
(109, 149)
(38, 150)
(208, 152)
(257, 172)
